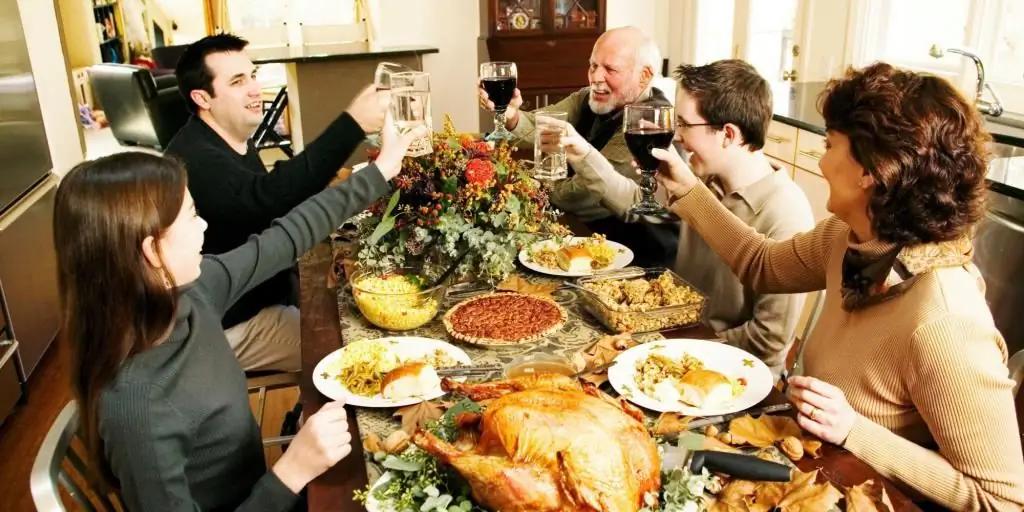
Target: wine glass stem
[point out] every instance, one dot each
(499, 120)
(647, 184)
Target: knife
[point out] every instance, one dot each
(717, 420)
(688, 453)
(462, 371)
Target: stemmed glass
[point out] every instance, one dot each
(648, 126)
(382, 82)
(499, 81)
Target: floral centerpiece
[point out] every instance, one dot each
(467, 204)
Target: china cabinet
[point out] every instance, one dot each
(549, 40)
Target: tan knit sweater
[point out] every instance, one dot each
(926, 371)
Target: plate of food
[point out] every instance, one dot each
(387, 372)
(575, 256)
(691, 377)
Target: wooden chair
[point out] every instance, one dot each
(50, 473)
(261, 382)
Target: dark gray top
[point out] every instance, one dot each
(176, 424)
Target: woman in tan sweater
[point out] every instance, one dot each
(905, 367)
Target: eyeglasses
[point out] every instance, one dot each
(682, 125)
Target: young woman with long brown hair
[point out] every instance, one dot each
(164, 408)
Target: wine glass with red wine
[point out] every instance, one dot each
(499, 81)
(648, 126)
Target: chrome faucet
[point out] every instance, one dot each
(992, 108)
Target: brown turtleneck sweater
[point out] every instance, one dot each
(925, 371)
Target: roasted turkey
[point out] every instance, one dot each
(551, 443)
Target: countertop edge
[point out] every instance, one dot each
(400, 52)
(995, 186)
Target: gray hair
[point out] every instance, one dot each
(648, 55)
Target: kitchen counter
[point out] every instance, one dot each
(325, 52)
(796, 105)
(323, 79)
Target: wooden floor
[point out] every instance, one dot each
(48, 391)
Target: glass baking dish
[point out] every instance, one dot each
(619, 317)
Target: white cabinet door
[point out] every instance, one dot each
(769, 35)
(816, 189)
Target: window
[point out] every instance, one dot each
(279, 22)
(902, 33)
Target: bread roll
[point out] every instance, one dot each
(409, 380)
(701, 388)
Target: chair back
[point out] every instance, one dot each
(166, 57)
(50, 473)
(141, 110)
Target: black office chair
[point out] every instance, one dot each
(142, 110)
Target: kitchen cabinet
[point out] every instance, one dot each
(799, 151)
(549, 40)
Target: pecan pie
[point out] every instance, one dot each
(504, 319)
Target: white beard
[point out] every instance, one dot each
(600, 108)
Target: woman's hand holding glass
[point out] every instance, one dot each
(394, 145)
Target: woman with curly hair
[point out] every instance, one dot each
(905, 367)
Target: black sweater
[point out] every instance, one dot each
(237, 196)
(175, 422)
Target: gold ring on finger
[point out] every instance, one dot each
(814, 412)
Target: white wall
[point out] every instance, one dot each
(650, 16)
(53, 83)
(188, 14)
(452, 26)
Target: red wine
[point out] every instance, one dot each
(641, 141)
(500, 90)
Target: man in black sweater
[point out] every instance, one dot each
(238, 197)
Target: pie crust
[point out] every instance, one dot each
(504, 319)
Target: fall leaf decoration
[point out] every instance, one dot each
(812, 447)
(372, 443)
(603, 351)
(869, 496)
(419, 415)
(763, 431)
(514, 283)
(671, 423)
(802, 494)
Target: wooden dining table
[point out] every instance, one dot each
(321, 335)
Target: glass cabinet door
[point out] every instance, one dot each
(576, 14)
(518, 16)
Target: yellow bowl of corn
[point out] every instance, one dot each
(396, 300)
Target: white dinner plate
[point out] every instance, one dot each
(623, 257)
(372, 504)
(733, 362)
(408, 347)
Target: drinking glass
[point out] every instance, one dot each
(548, 151)
(382, 82)
(499, 80)
(410, 107)
(648, 126)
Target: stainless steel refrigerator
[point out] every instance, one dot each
(28, 289)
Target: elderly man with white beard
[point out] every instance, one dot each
(623, 65)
